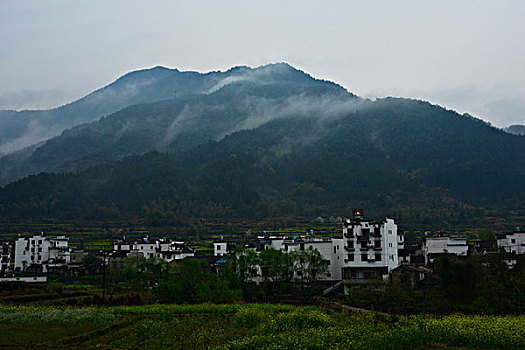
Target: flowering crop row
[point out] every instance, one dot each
(38, 314)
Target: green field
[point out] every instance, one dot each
(247, 326)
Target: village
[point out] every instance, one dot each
(367, 250)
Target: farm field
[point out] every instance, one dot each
(247, 326)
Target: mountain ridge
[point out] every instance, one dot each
(268, 80)
(19, 129)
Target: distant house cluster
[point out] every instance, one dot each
(371, 250)
(42, 254)
(163, 248)
(366, 250)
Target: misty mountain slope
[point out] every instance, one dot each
(385, 156)
(516, 129)
(25, 128)
(255, 96)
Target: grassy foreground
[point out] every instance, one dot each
(261, 326)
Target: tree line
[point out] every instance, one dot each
(241, 275)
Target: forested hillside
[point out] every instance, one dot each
(416, 161)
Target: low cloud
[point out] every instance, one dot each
(35, 99)
(499, 106)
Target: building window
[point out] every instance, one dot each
(513, 241)
(377, 244)
(364, 257)
(378, 257)
(363, 244)
(390, 245)
(335, 250)
(350, 244)
(350, 257)
(389, 232)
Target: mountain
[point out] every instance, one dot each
(205, 107)
(419, 162)
(516, 129)
(26, 128)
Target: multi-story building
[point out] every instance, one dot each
(223, 247)
(513, 244)
(433, 246)
(371, 248)
(5, 257)
(49, 252)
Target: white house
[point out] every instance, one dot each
(48, 251)
(223, 247)
(5, 257)
(443, 245)
(371, 248)
(173, 250)
(146, 247)
(513, 244)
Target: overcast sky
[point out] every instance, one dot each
(465, 55)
